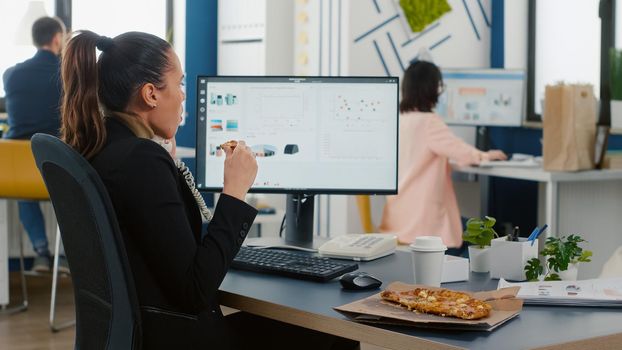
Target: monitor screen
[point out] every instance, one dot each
(310, 134)
(493, 97)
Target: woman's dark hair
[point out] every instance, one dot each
(420, 87)
(44, 29)
(92, 86)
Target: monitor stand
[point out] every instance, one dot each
(298, 227)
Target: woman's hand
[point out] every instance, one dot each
(240, 170)
(493, 154)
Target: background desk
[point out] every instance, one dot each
(309, 304)
(588, 203)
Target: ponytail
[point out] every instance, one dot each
(81, 117)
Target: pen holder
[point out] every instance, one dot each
(508, 258)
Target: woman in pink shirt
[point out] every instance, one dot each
(426, 203)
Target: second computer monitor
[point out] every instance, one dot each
(310, 134)
(493, 97)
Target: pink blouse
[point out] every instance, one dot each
(426, 203)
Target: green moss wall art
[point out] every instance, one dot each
(421, 13)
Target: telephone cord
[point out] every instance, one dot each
(205, 212)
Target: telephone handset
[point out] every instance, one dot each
(168, 145)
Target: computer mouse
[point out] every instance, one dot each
(359, 281)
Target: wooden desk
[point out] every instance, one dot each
(309, 304)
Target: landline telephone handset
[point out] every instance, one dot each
(168, 145)
(359, 247)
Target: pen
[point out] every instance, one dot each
(533, 233)
(539, 233)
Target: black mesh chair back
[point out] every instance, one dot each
(107, 312)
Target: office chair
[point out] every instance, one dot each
(107, 311)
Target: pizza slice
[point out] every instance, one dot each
(232, 144)
(442, 302)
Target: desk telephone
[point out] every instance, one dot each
(359, 247)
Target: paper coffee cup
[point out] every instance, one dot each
(428, 256)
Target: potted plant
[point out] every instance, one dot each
(562, 257)
(479, 232)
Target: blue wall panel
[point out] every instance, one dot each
(201, 46)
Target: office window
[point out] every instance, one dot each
(16, 18)
(113, 17)
(567, 45)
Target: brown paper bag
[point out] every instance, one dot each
(569, 125)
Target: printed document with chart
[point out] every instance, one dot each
(592, 292)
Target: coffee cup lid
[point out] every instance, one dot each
(428, 244)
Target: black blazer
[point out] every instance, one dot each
(176, 273)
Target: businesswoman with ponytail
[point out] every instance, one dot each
(113, 109)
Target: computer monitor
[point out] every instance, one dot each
(482, 97)
(311, 135)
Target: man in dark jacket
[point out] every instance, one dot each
(33, 90)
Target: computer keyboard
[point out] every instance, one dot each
(291, 264)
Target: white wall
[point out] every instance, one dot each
(255, 37)
(179, 31)
(452, 40)
(515, 34)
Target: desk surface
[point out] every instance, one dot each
(310, 304)
(538, 174)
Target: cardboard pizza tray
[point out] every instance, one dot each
(373, 309)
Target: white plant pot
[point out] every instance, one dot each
(479, 258)
(570, 274)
